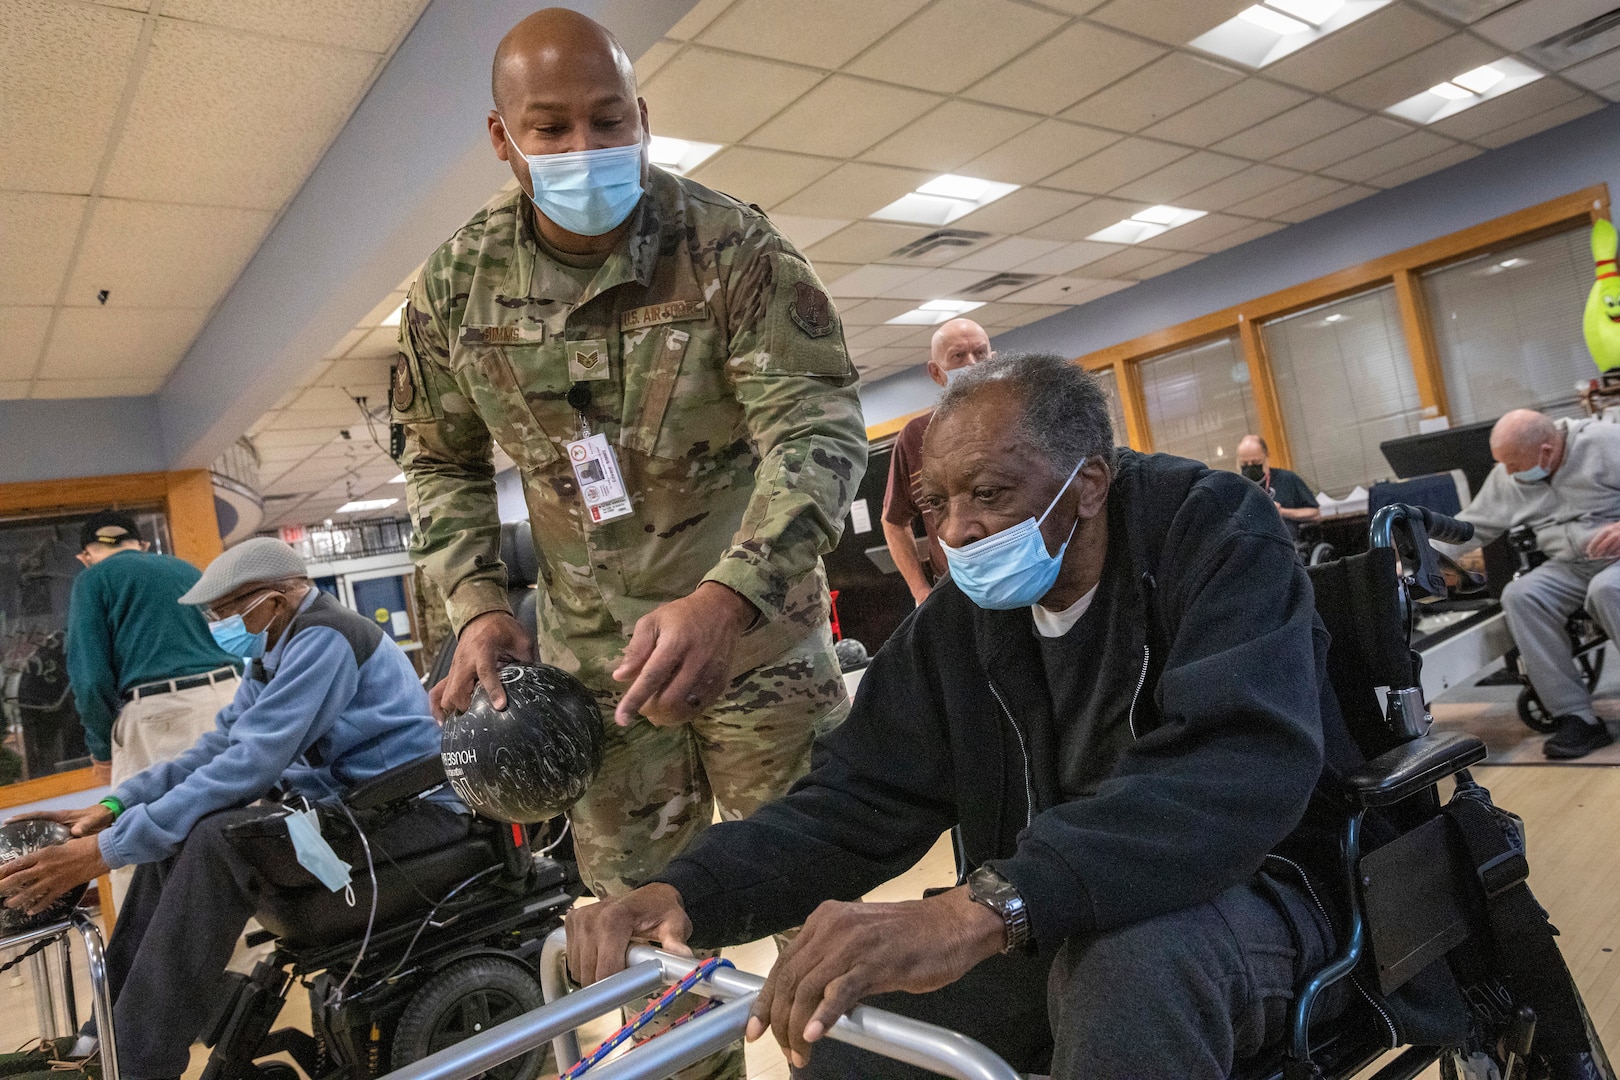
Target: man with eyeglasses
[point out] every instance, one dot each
(329, 703)
(147, 678)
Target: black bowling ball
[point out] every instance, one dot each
(22, 838)
(531, 760)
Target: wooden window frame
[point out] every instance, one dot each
(1402, 269)
(187, 498)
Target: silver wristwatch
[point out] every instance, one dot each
(995, 892)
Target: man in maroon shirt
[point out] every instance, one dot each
(956, 345)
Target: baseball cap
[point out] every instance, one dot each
(108, 527)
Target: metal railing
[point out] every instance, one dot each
(355, 540)
(78, 921)
(935, 1049)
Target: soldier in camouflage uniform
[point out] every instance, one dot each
(700, 343)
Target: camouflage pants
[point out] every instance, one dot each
(659, 787)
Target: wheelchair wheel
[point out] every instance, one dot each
(464, 999)
(1322, 553)
(1534, 713)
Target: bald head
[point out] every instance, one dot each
(1524, 439)
(557, 45)
(956, 344)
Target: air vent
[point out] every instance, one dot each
(1577, 43)
(1464, 11)
(939, 245)
(999, 283)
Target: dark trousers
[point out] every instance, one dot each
(181, 919)
(1182, 996)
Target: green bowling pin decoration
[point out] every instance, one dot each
(1602, 321)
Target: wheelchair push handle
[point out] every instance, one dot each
(1447, 530)
(1409, 530)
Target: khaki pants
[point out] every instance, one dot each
(161, 728)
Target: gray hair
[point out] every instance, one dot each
(1064, 412)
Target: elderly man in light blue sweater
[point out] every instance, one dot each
(330, 702)
(1561, 478)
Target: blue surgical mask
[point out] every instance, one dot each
(233, 637)
(1535, 474)
(588, 192)
(314, 853)
(952, 375)
(1010, 569)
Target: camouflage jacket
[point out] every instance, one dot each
(717, 371)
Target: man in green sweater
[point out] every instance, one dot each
(147, 676)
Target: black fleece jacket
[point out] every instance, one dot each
(1217, 644)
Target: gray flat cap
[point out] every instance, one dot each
(262, 558)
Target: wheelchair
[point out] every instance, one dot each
(1586, 641)
(448, 945)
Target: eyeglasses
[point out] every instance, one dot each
(221, 609)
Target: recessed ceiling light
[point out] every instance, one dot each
(944, 199)
(360, 506)
(1465, 91)
(934, 312)
(400, 479)
(1145, 225)
(393, 316)
(679, 155)
(1268, 31)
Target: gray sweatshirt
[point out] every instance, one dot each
(1578, 500)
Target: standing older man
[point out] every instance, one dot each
(1561, 478)
(671, 380)
(1117, 697)
(956, 345)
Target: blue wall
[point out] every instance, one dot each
(1545, 166)
(50, 440)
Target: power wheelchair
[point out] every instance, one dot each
(436, 947)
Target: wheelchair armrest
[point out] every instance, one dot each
(1412, 766)
(398, 784)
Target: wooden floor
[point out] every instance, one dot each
(1573, 821)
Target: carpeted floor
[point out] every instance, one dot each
(1490, 712)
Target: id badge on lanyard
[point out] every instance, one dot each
(596, 470)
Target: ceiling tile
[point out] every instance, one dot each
(1065, 68)
(954, 43)
(1353, 193)
(199, 132)
(872, 280)
(1008, 254)
(385, 308)
(1081, 222)
(1294, 193)
(345, 343)
(877, 360)
(956, 132)
(1542, 121)
(161, 255)
(1459, 152)
(760, 176)
(63, 68)
(119, 343)
(1312, 120)
(1252, 231)
(936, 284)
(99, 387)
(14, 389)
(1048, 146)
(1167, 264)
(657, 55)
(876, 337)
(1418, 72)
(1365, 45)
(1358, 138)
(1023, 209)
(1611, 92)
(1118, 164)
(1125, 262)
(681, 98)
(864, 242)
(356, 374)
(1194, 234)
(372, 25)
(1239, 187)
(22, 334)
(283, 437)
(1026, 313)
(843, 116)
(1598, 73)
(828, 38)
(1073, 7)
(1178, 178)
(805, 231)
(1536, 20)
(854, 190)
(1499, 112)
(1154, 93)
(873, 312)
(321, 419)
(701, 15)
(383, 341)
(325, 397)
(1174, 22)
(1056, 290)
(1227, 112)
(37, 233)
(1393, 155)
(1070, 256)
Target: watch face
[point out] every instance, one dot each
(990, 886)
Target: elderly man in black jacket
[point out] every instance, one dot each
(1118, 700)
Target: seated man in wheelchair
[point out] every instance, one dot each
(330, 703)
(1562, 479)
(1117, 700)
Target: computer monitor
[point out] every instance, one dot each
(1467, 448)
